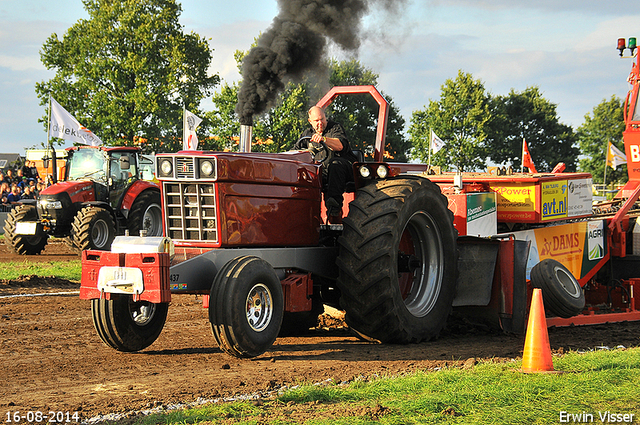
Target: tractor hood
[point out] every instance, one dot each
(77, 191)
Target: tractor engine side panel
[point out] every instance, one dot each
(268, 215)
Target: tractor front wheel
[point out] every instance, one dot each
(247, 305)
(24, 244)
(398, 261)
(127, 325)
(146, 214)
(93, 228)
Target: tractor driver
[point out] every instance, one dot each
(337, 168)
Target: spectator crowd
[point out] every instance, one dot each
(18, 184)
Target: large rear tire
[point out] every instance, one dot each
(246, 307)
(24, 244)
(146, 214)
(93, 228)
(398, 261)
(126, 325)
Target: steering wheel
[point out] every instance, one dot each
(319, 151)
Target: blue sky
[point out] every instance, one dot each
(566, 48)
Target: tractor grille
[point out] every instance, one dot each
(191, 211)
(185, 168)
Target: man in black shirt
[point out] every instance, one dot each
(337, 167)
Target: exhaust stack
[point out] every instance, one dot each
(246, 135)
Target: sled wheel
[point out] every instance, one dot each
(24, 244)
(146, 214)
(561, 292)
(127, 325)
(246, 307)
(397, 261)
(93, 228)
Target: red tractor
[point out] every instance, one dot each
(101, 196)
(246, 231)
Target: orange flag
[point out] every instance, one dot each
(526, 157)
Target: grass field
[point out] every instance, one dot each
(70, 270)
(595, 387)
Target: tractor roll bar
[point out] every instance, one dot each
(383, 113)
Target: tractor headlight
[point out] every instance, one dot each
(382, 171)
(46, 204)
(206, 168)
(365, 172)
(166, 167)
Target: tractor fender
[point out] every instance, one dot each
(135, 190)
(100, 204)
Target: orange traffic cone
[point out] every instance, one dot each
(537, 350)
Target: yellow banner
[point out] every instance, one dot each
(564, 243)
(554, 200)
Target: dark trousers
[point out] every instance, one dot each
(336, 174)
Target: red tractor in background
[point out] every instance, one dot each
(101, 196)
(246, 231)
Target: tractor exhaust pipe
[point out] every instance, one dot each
(246, 134)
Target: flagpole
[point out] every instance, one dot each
(54, 159)
(522, 158)
(606, 157)
(430, 143)
(49, 126)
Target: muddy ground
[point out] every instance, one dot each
(53, 360)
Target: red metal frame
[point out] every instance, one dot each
(383, 112)
(592, 317)
(631, 133)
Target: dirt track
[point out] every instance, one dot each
(53, 360)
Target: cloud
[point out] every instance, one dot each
(226, 39)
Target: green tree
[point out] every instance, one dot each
(358, 114)
(606, 125)
(529, 116)
(280, 128)
(459, 118)
(223, 120)
(128, 71)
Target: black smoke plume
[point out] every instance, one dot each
(295, 44)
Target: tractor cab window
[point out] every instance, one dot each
(87, 164)
(122, 169)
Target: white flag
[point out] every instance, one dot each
(189, 137)
(615, 156)
(64, 126)
(436, 142)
